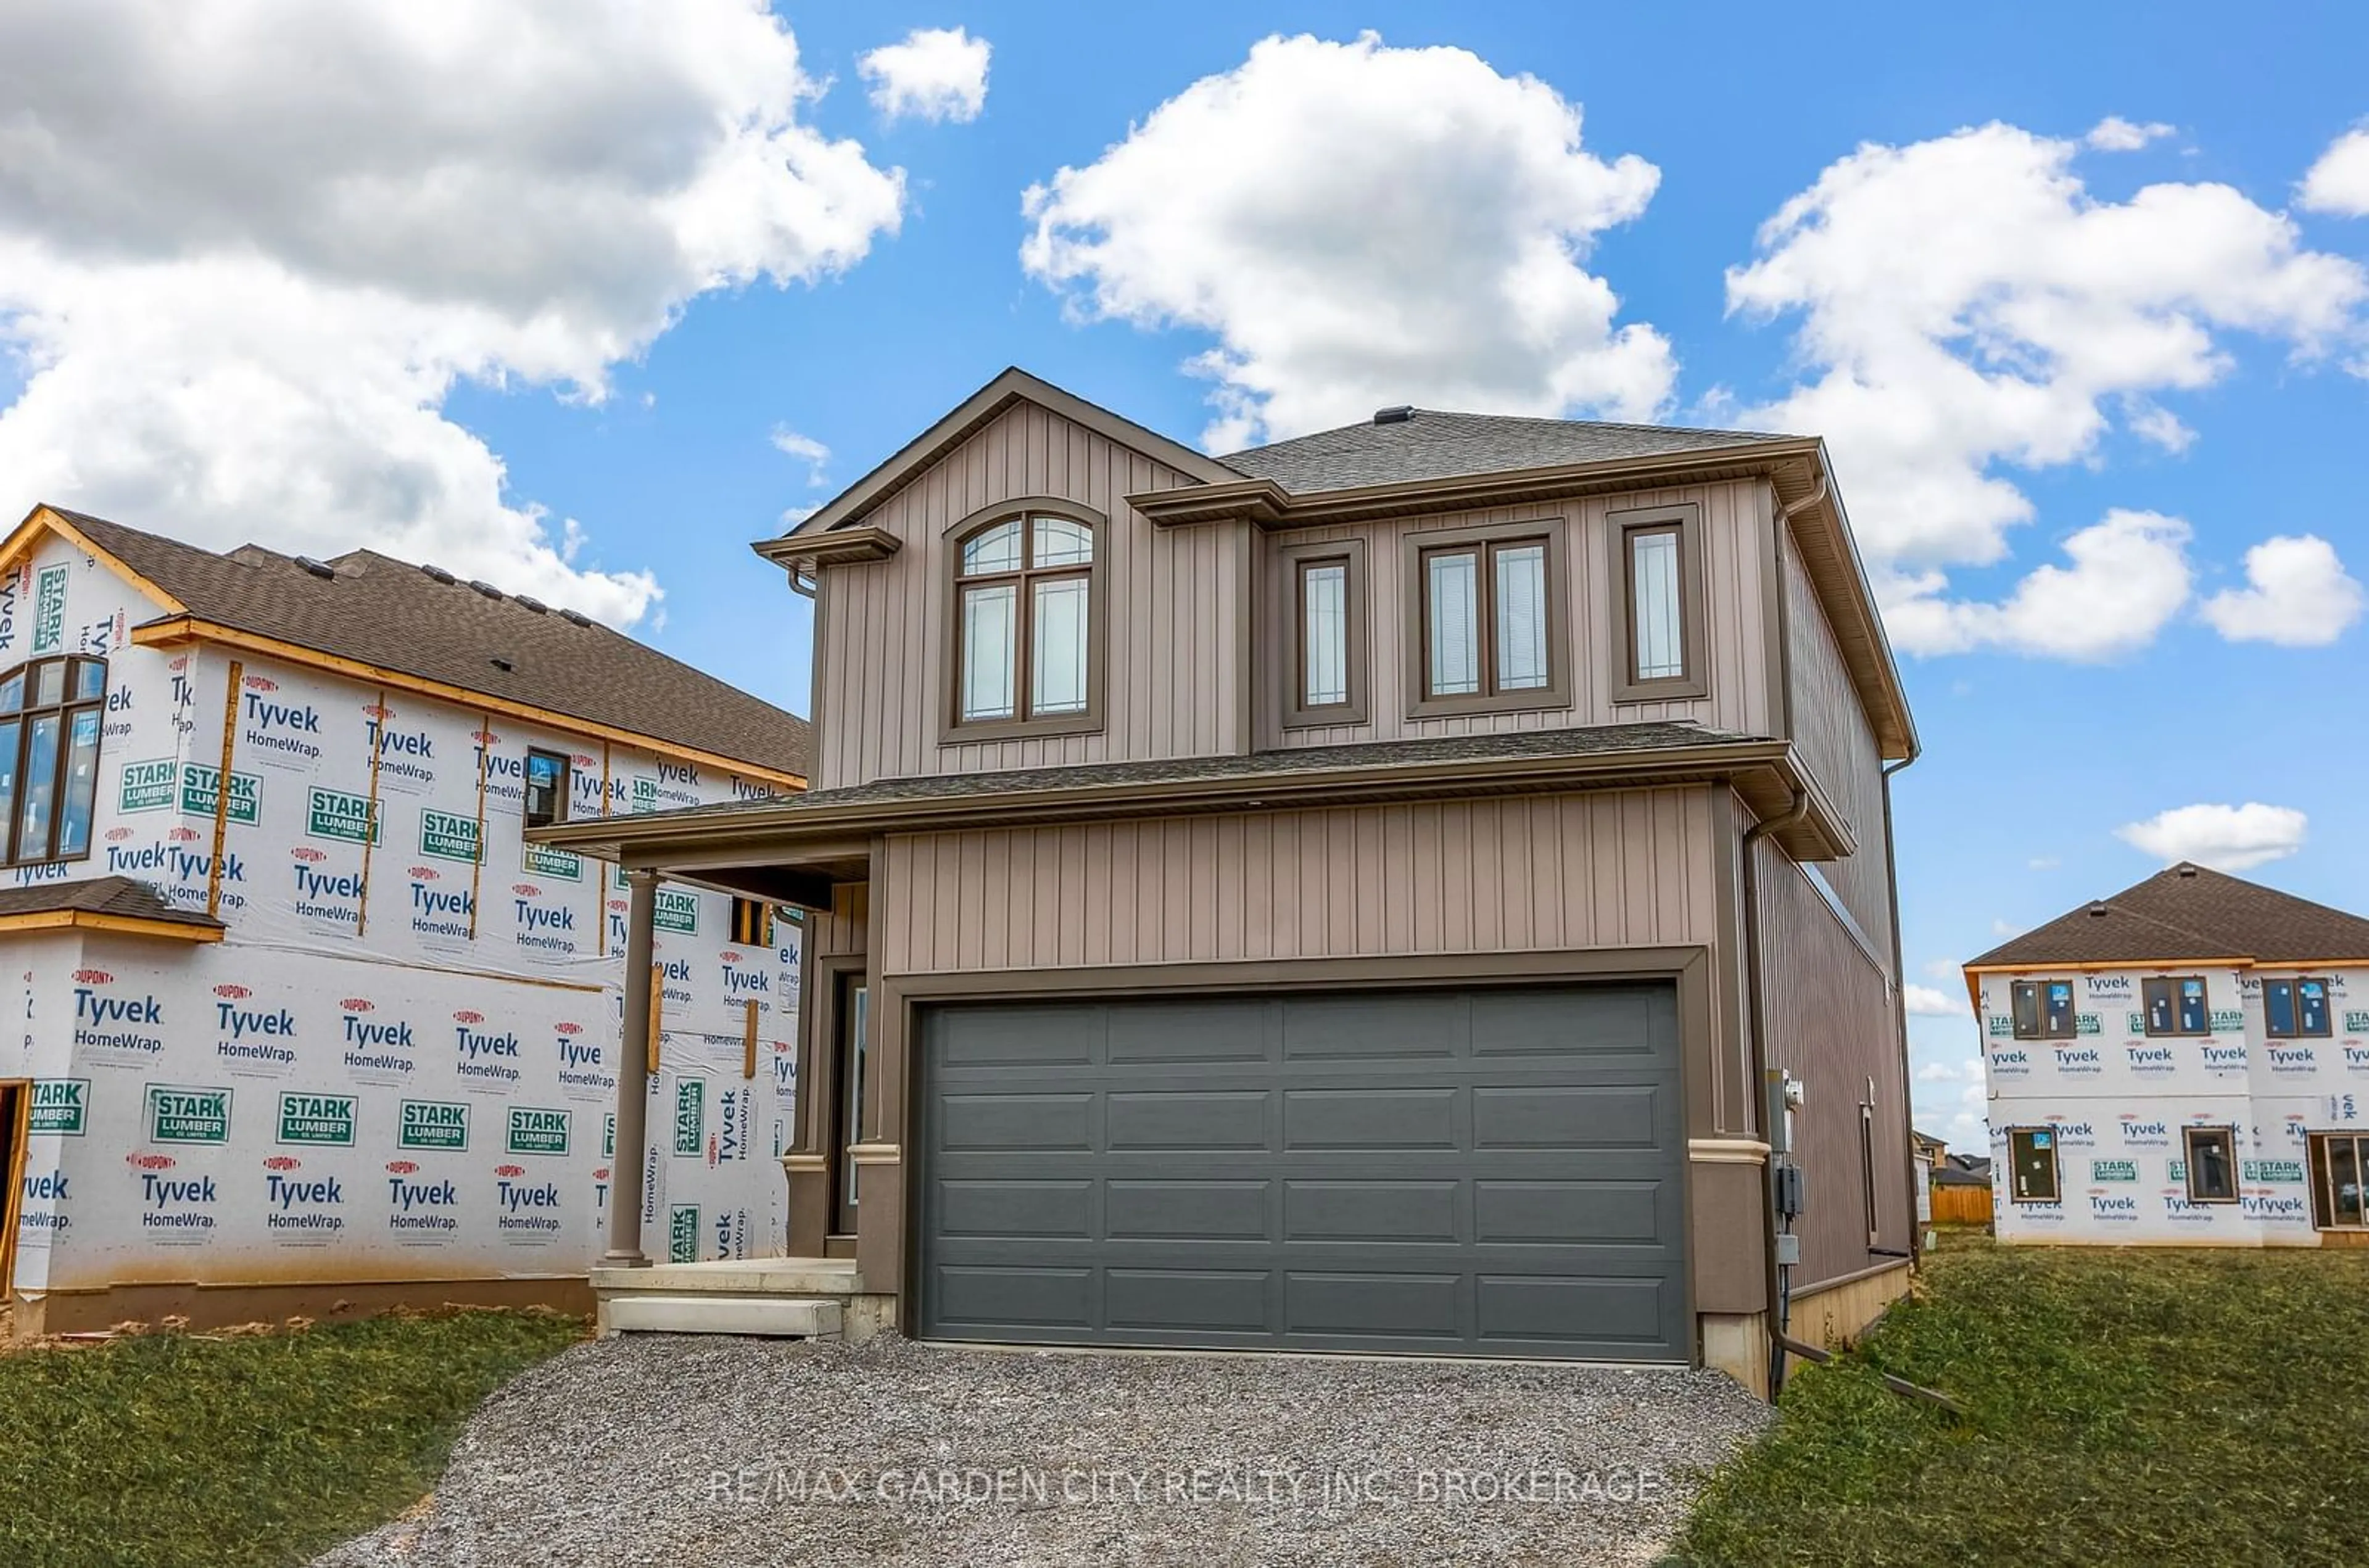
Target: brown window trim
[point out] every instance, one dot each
(1416, 608)
(2055, 1165)
(2147, 1009)
(2328, 984)
(2228, 1136)
(2319, 1173)
(66, 708)
(1291, 634)
(2039, 1010)
(953, 728)
(1685, 521)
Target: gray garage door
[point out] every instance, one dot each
(1489, 1172)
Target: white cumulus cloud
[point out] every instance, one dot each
(936, 74)
(248, 252)
(1968, 308)
(806, 448)
(2297, 594)
(2115, 134)
(2225, 838)
(2128, 577)
(2339, 182)
(1930, 1002)
(1358, 225)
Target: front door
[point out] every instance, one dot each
(851, 1081)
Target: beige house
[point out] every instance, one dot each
(1350, 895)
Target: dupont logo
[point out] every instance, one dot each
(261, 683)
(509, 1171)
(93, 977)
(358, 1004)
(150, 1162)
(466, 1016)
(117, 835)
(185, 835)
(232, 992)
(402, 1167)
(424, 873)
(308, 855)
(283, 1163)
(570, 1028)
(526, 890)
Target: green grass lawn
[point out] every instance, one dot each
(165, 1450)
(2138, 1406)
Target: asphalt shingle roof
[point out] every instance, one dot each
(1593, 740)
(1439, 445)
(387, 612)
(2189, 912)
(119, 896)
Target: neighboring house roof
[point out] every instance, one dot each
(102, 902)
(2189, 913)
(386, 613)
(1926, 1140)
(1434, 444)
(1962, 1171)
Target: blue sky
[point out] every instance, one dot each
(635, 402)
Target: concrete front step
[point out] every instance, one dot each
(779, 1316)
(762, 1277)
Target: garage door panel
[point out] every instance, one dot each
(1151, 1033)
(1390, 1306)
(1014, 1297)
(1187, 1210)
(1025, 1036)
(1186, 1120)
(1610, 1313)
(1054, 1210)
(1572, 1116)
(1371, 1211)
(1008, 1123)
(1369, 1118)
(1174, 1300)
(1486, 1172)
(1569, 1213)
(1380, 1024)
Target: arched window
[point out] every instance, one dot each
(50, 715)
(1026, 622)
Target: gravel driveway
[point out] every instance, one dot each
(664, 1450)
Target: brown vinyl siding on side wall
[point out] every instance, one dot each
(1832, 734)
(1614, 869)
(1734, 518)
(1829, 1020)
(1176, 629)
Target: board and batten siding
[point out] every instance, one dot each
(1835, 740)
(1610, 869)
(1827, 1010)
(1735, 520)
(1176, 626)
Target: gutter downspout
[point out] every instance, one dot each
(1756, 1026)
(1900, 1008)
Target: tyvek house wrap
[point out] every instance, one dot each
(401, 1061)
(2116, 1102)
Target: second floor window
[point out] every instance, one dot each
(2295, 1010)
(546, 788)
(49, 717)
(1024, 631)
(1484, 619)
(2043, 1010)
(1658, 610)
(2176, 1005)
(1322, 632)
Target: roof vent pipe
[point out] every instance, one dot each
(1398, 415)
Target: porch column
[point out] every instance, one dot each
(633, 1079)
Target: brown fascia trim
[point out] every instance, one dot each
(1830, 556)
(772, 831)
(847, 546)
(1011, 385)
